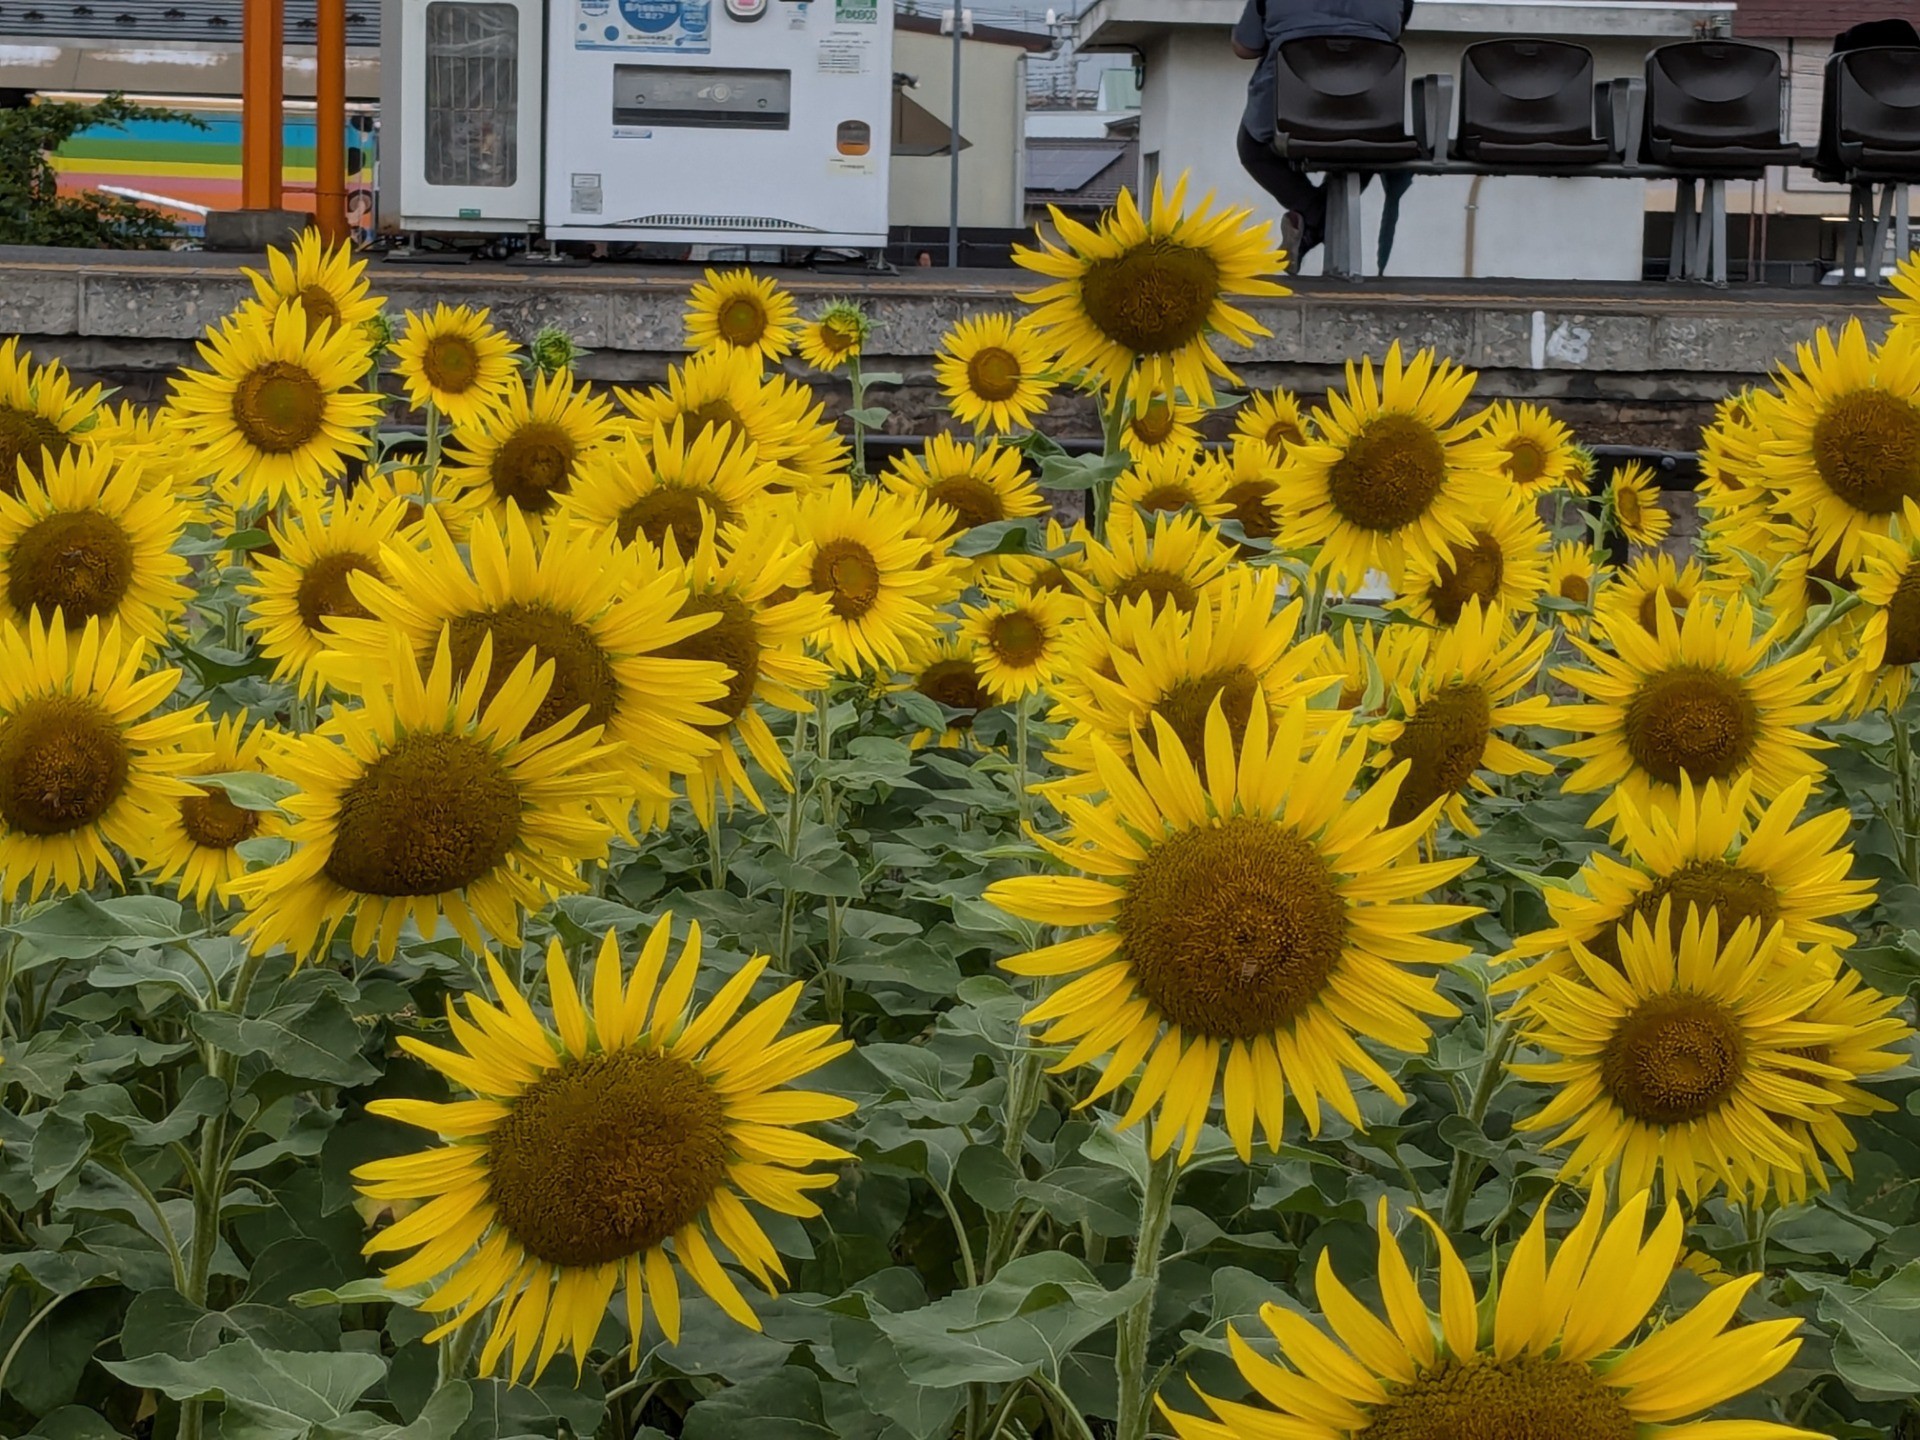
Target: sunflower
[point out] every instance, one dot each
(150, 438)
(88, 763)
(1016, 639)
(1905, 301)
(1503, 566)
(1888, 581)
(1539, 453)
(1392, 475)
(995, 372)
(1448, 712)
(1168, 481)
(1633, 500)
(634, 1121)
(837, 335)
(1719, 852)
(1868, 1027)
(1273, 418)
(452, 359)
(1235, 651)
(1170, 562)
(883, 581)
(948, 672)
(1063, 554)
(606, 618)
(277, 414)
(423, 802)
(964, 485)
(1247, 477)
(1136, 300)
(527, 449)
(1639, 588)
(760, 635)
(1160, 427)
(724, 391)
(42, 414)
(1842, 446)
(325, 281)
(1246, 906)
(1685, 1063)
(1575, 576)
(93, 539)
(302, 582)
(669, 486)
(738, 310)
(1369, 661)
(1547, 1356)
(1700, 698)
(197, 845)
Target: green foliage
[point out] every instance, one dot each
(32, 209)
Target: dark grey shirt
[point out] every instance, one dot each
(1265, 23)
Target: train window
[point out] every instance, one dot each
(473, 93)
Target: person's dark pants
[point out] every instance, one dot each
(1292, 188)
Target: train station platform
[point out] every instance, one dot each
(1626, 363)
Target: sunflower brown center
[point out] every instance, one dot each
(23, 437)
(1153, 425)
(742, 321)
(1392, 471)
(1166, 498)
(606, 1157)
(1693, 721)
(1017, 639)
(837, 337)
(954, 683)
(79, 562)
(214, 822)
(1250, 505)
(1185, 707)
(534, 466)
(1709, 886)
(733, 641)
(848, 575)
(1526, 462)
(322, 310)
(1526, 1398)
(450, 364)
(582, 674)
(972, 500)
(1284, 432)
(1233, 930)
(994, 374)
(63, 762)
(1154, 298)
(1575, 588)
(1650, 607)
(1626, 505)
(717, 415)
(1903, 619)
(1445, 739)
(437, 812)
(673, 510)
(1675, 1058)
(1467, 573)
(1161, 588)
(326, 590)
(278, 407)
(1866, 446)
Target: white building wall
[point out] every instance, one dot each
(993, 109)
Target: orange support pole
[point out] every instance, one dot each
(330, 122)
(261, 105)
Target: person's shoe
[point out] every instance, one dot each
(1293, 227)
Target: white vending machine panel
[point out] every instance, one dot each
(721, 122)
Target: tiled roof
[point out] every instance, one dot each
(197, 20)
(1814, 19)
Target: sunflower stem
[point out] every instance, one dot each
(1136, 1323)
(716, 857)
(1903, 770)
(430, 471)
(1316, 603)
(456, 1354)
(789, 896)
(857, 381)
(1113, 423)
(1466, 1168)
(1020, 775)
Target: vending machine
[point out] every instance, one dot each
(737, 122)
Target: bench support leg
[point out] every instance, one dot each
(1679, 257)
(1344, 230)
(1715, 221)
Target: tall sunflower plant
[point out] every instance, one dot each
(528, 910)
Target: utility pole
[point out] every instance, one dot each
(330, 121)
(961, 21)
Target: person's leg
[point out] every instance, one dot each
(1291, 187)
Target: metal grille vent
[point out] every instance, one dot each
(716, 222)
(473, 94)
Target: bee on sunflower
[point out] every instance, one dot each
(738, 310)
(43, 414)
(1633, 502)
(1247, 910)
(1136, 300)
(197, 847)
(527, 448)
(665, 1118)
(996, 373)
(325, 281)
(1550, 1354)
(450, 358)
(277, 413)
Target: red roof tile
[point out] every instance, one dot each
(1814, 19)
